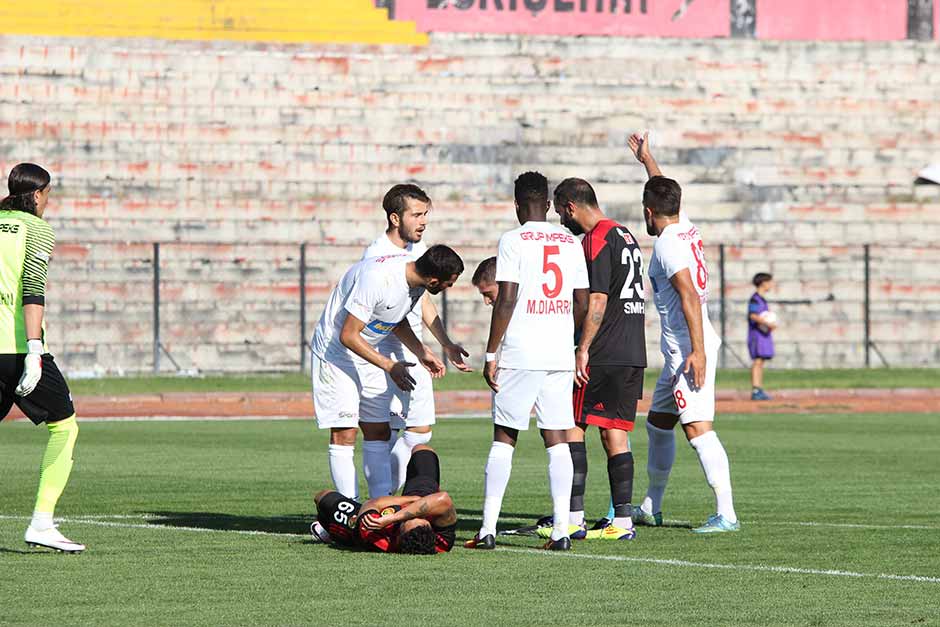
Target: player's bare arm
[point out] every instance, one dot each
(425, 355)
(597, 305)
(437, 507)
(499, 321)
(640, 147)
(692, 310)
(455, 352)
(351, 339)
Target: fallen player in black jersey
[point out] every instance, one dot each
(421, 521)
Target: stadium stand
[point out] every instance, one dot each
(792, 154)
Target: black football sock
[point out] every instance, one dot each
(620, 474)
(579, 461)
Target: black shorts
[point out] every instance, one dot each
(424, 474)
(609, 398)
(51, 401)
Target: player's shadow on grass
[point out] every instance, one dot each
(294, 524)
(470, 519)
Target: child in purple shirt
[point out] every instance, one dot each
(760, 342)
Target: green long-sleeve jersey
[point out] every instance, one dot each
(26, 244)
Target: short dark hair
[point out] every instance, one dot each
(485, 272)
(419, 541)
(25, 179)
(760, 278)
(531, 190)
(395, 200)
(439, 262)
(577, 191)
(662, 196)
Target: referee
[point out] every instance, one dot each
(28, 374)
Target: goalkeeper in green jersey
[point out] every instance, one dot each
(28, 374)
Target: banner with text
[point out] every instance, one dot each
(866, 20)
(654, 18)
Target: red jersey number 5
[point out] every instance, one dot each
(551, 267)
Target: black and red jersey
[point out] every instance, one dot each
(386, 538)
(615, 268)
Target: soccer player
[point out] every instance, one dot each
(685, 391)
(420, 521)
(484, 279)
(29, 377)
(611, 355)
(543, 294)
(350, 386)
(760, 339)
(406, 209)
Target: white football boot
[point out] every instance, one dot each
(51, 539)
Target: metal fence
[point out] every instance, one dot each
(138, 307)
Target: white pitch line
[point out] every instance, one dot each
(105, 523)
(789, 570)
(190, 418)
(846, 525)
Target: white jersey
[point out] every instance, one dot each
(679, 247)
(547, 262)
(382, 246)
(374, 291)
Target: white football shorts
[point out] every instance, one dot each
(549, 391)
(346, 393)
(674, 392)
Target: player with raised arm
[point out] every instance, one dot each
(350, 386)
(685, 391)
(406, 210)
(29, 377)
(543, 295)
(421, 521)
(611, 355)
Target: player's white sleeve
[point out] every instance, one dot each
(365, 296)
(672, 255)
(508, 260)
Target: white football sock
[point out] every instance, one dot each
(659, 461)
(401, 454)
(376, 466)
(624, 522)
(714, 460)
(343, 470)
(498, 469)
(41, 521)
(560, 476)
(576, 518)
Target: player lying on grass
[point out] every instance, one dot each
(421, 521)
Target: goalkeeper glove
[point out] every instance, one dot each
(32, 368)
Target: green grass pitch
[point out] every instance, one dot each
(839, 520)
(728, 379)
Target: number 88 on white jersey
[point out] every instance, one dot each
(677, 248)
